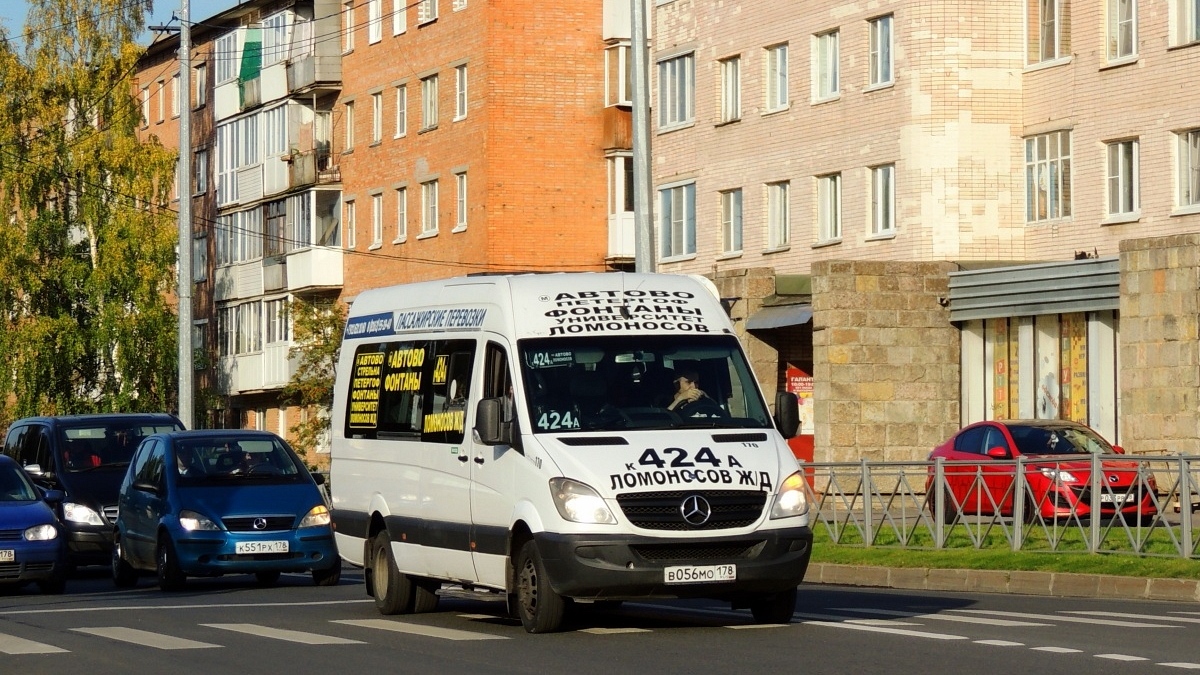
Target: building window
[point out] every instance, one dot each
(883, 199)
(274, 39)
(200, 257)
(376, 117)
(226, 55)
(276, 228)
(1187, 21)
(429, 102)
(1048, 30)
(777, 77)
(1122, 178)
(731, 221)
(1189, 168)
(175, 95)
(620, 184)
(399, 16)
(825, 61)
(145, 106)
(374, 21)
(348, 25)
(376, 220)
(401, 215)
(779, 219)
(618, 75)
(349, 125)
(676, 90)
(161, 94)
(200, 176)
(1048, 176)
(460, 201)
(458, 5)
(429, 207)
(1122, 29)
(677, 220)
(731, 89)
(351, 225)
(279, 327)
(200, 80)
(460, 92)
(880, 57)
(829, 207)
(274, 131)
(427, 10)
(401, 110)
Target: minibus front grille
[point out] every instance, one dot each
(663, 553)
(665, 510)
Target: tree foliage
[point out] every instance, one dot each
(316, 341)
(87, 251)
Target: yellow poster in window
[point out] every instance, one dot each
(1077, 331)
(998, 333)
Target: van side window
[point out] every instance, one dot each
(14, 441)
(449, 386)
(497, 379)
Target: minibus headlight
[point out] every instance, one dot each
(192, 521)
(317, 516)
(78, 513)
(579, 503)
(791, 498)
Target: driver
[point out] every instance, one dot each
(687, 391)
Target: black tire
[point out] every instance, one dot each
(123, 574)
(329, 577)
(170, 577)
(774, 607)
(393, 590)
(949, 510)
(540, 608)
(266, 579)
(425, 597)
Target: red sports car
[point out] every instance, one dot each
(980, 473)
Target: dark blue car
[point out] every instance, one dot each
(32, 547)
(208, 503)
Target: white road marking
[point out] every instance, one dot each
(221, 605)
(477, 617)
(10, 644)
(1057, 650)
(1060, 618)
(1123, 615)
(753, 626)
(417, 629)
(1121, 657)
(939, 617)
(144, 638)
(1180, 664)
(881, 629)
(1000, 643)
(612, 631)
(281, 634)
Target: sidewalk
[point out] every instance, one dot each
(1060, 584)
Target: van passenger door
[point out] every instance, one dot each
(493, 493)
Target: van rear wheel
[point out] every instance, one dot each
(425, 597)
(393, 591)
(540, 608)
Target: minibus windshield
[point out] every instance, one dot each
(609, 383)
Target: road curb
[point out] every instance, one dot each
(1058, 584)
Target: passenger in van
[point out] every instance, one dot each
(687, 391)
(79, 456)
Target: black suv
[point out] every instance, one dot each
(85, 456)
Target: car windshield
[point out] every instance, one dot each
(221, 460)
(14, 487)
(624, 382)
(105, 444)
(1058, 440)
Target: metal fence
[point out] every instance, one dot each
(1148, 505)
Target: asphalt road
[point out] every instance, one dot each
(230, 625)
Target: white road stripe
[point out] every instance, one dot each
(281, 634)
(1123, 615)
(220, 605)
(1000, 643)
(1121, 657)
(1057, 650)
(881, 629)
(1180, 664)
(612, 631)
(939, 617)
(1060, 618)
(10, 644)
(417, 629)
(144, 638)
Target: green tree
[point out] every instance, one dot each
(317, 340)
(87, 249)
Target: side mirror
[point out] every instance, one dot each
(998, 452)
(33, 469)
(1118, 449)
(489, 430)
(54, 497)
(787, 413)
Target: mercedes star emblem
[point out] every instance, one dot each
(695, 510)
(260, 523)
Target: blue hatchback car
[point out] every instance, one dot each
(32, 547)
(208, 503)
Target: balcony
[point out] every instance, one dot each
(315, 268)
(272, 368)
(622, 242)
(314, 74)
(313, 167)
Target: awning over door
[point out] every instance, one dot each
(779, 316)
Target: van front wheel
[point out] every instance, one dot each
(540, 608)
(393, 591)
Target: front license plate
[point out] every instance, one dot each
(1111, 498)
(249, 547)
(699, 574)
(7, 555)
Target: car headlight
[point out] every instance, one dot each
(192, 521)
(78, 513)
(1058, 474)
(579, 503)
(43, 532)
(790, 499)
(317, 516)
